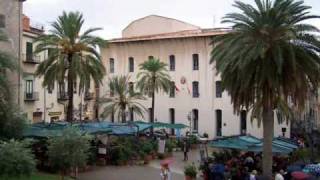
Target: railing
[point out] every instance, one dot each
(31, 58)
(31, 96)
(88, 95)
(63, 96)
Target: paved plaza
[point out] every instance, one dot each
(147, 172)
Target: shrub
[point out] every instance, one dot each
(147, 147)
(193, 139)
(12, 122)
(16, 159)
(68, 151)
(190, 170)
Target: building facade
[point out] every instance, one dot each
(11, 25)
(196, 98)
(48, 103)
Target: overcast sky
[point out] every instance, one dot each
(115, 15)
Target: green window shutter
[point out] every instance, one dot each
(29, 51)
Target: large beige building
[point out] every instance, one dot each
(196, 98)
(49, 104)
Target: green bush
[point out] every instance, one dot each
(147, 147)
(68, 151)
(190, 170)
(16, 159)
(12, 122)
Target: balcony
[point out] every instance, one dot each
(31, 58)
(88, 96)
(31, 96)
(63, 96)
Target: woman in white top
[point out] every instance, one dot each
(165, 172)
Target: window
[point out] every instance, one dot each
(150, 57)
(112, 117)
(131, 114)
(195, 89)
(243, 122)
(172, 63)
(111, 65)
(218, 89)
(172, 91)
(29, 87)
(195, 118)
(218, 122)
(150, 114)
(29, 51)
(131, 64)
(2, 21)
(131, 87)
(50, 88)
(195, 60)
(172, 118)
(75, 87)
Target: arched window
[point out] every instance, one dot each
(172, 63)
(131, 64)
(218, 89)
(195, 61)
(218, 122)
(243, 122)
(172, 91)
(195, 89)
(172, 118)
(195, 119)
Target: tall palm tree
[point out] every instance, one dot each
(72, 55)
(122, 99)
(268, 57)
(153, 78)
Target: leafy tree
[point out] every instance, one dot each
(123, 98)
(153, 78)
(68, 151)
(16, 159)
(268, 57)
(72, 55)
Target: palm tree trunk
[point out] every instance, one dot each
(268, 128)
(70, 92)
(123, 118)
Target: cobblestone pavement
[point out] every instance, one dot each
(148, 172)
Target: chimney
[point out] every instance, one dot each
(26, 23)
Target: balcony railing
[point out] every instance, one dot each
(31, 58)
(63, 96)
(31, 96)
(88, 96)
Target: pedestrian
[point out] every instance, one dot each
(185, 150)
(165, 171)
(253, 175)
(279, 175)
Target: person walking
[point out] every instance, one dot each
(185, 150)
(165, 171)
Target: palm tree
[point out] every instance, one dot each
(122, 98)
(268, 57)
(72, 55)
(153, 78)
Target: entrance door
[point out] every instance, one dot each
(218, 122)
(172, 118)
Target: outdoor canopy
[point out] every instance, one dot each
(162, 125)
(253, 144)
(44, 130)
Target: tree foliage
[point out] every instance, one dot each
(68, 151)
(269, 57)
(153, 78)
(122, 100)
(72, 55)
(16, 159)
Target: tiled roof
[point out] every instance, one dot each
(174, 35)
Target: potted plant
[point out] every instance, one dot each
(190, 172)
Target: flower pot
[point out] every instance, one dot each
(189, 178)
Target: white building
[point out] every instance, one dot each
(186, 49)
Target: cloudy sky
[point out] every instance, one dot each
(114, 15)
